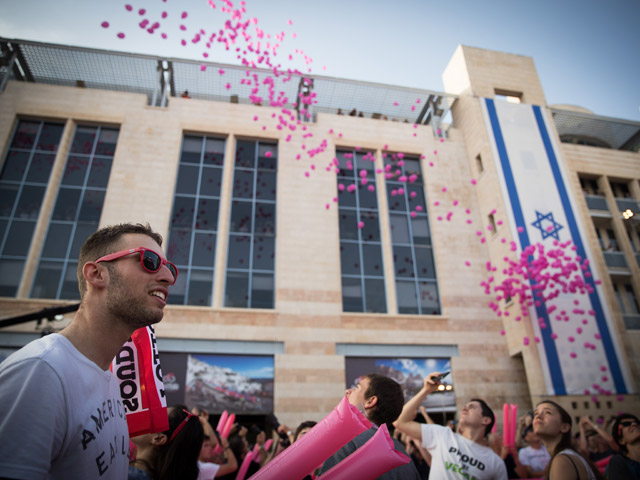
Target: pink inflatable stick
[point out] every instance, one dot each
(222, 422)
(227, 428)
(242, 471)
(513, 424)
(506, 431)
(322, 441)
(373, 459)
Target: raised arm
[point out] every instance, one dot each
(405, 422)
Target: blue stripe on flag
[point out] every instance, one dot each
(607, 342)
(549, 344)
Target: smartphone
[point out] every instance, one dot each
(440, 377)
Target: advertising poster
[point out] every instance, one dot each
(236, 383)
(410, 373)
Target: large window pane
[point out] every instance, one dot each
(254, 179)
(29, 158)
(40, 167)
(10, 275)
(57, 241)
(360, 250)
(352, 295)
(76, 213)
(237, 289)
(19, 238)
(47, 279)
(262, 291)
(411, 238)
(200, 287)
(194, 219)
(14, 166)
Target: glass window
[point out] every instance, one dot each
(362, 270)
(24, 177)
(252, 227)
(194, 219)
(416, 284)
(77, 211)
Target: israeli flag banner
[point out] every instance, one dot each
(578, 346)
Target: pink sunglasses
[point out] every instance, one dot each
(150, 260)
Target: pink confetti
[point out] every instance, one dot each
(184, 15)
(128, 7)
(120, 35)
(361, 225)
(142, 11)
(473, 181)
(104, 24)
(467, 263)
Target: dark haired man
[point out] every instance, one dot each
(380, 399)
(454, 455)
(626, 434)
(61, 404)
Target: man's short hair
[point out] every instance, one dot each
(104, 242)
(390, 399)
(616, 431)
(486, 412)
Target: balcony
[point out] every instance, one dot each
(596, 202)
(625, 204)
(631, 321)
(615, 260)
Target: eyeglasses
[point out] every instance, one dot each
(182, 424)
(624, 424)
(150, 260)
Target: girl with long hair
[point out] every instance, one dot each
(171, 454)
(552, 424)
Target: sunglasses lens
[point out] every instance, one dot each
(151, 261)
(173, 270)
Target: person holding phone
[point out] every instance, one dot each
(455, 455)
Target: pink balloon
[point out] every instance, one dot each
(223, 421)
(322, 441)
(373, 459)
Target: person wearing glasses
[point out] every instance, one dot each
(62, 412)
(626, 433)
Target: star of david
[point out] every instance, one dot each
(550, 229)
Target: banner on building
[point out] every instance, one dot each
(541, 210)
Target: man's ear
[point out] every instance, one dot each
(486, 420)
(95, 274)
(371, 402)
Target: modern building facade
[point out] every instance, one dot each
(372, 253)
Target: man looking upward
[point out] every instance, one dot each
(455, 456)
(63, 415)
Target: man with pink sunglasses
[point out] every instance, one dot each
(63, 416)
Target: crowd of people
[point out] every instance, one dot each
(64, 415)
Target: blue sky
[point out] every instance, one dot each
(585, 52)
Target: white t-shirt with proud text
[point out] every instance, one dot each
(455, 457)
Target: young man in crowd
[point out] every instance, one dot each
(455, 456)
(63, 416)
(380, 399)
(535, 457)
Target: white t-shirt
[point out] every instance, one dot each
(207, 471)
(537, 459)
(62, 415)
(455, 457)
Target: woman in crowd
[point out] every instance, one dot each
(170, 454)
(552, 424)
(626, 434)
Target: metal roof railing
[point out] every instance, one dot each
(159, 78)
